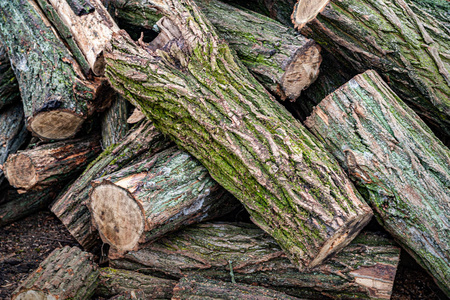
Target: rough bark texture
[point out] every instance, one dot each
(408, 46)
(9, 88)
(196, 91)
(160, 194)
(67, 273)
(49, 164)
(115, 281)
(394, 157)
(13, 132)
(70, 207)
(197, 287)
(365, 269)
(114, 122)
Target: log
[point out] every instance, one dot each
(282, 60)
(365, 269)
(115, 281)
(114, 122)
(49, 164)
(57, 101)
(197, 92)
(160, 194)
(13, 132)
(197, 287)
(403, 169)
(410, 50)
(67, 273)
(70, 206)
(9, 88)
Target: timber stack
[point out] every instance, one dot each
(147, 126)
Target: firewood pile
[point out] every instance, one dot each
(141, 123)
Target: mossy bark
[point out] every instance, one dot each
(160, 194)
(9, 88)
(403, 169)
(67, 273)
(399, 39)
(365, 269)
(197, 92)
(114, 122)
(70, 206)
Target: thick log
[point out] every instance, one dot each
(9, 88)
(114, 122)
(57, 101)
(70, 207)
(115, 281)
(160, 194)
(13, 133)
(197, 287)
(197, 93)
(410, 50)
(49, 164)
(282, 60)
(67, 273)
(394, 157)
(365, 269)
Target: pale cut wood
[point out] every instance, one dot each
(403, 169)
(306, 10)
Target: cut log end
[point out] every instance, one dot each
(20, 171)
(341, 238)
(306, 10)
(117, 216)
(33, 295)
(55, 125)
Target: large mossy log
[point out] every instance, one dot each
(9, 88)
(404, 43)
(159, 194)
(365, 269)
(197, 92)
(402, 167)
(49, 164)
(56, 96)
(70, 207)
(67, 273)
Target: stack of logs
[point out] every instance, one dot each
(136, 134)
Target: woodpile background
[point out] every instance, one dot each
(146, 126)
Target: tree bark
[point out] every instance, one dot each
(364, 269)
(70, 207)
(410, 49)
(114, 122)
(197, 287)
(57, 101)
(402, 167)
(115, 281)
(9, 88)
(160, 194)
(67, 273)
(197, 93)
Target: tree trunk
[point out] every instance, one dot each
(70, 206)
(197, 287)
(282, 60)
(410, 49)
(115, 281)
(114, 122)
(213, 108)
(13, 132)
(67, 273)
(394, 157)
(364, 269)
(9, 88)
(49, 164)
(57, 101)
(160, 194)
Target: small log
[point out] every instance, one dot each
(13, 132)
(51, 163)
(364, 269)
(114, 122)
(115, 282)
(196, 92)
(399, 163)
(410, 50)
(160, 194)
(70, 206)
(9, 88)
(67, 273)
(197, 287)
(57, 101)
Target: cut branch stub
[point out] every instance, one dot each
(306, 10)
